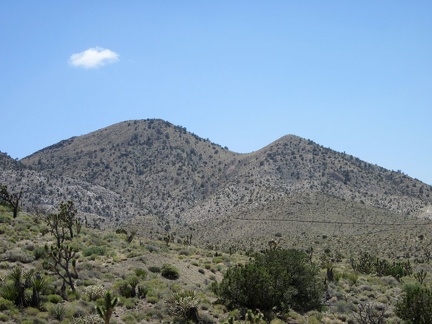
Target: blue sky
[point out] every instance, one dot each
(355, 76)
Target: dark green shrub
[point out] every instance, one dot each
(94, 250)
(140, 273)
(39, 252)
(6, 304)
(279, 279)
(170, 272)
(152, 299)
(124, 289)
(154, 269)
(55, 299)
(58, 312)
(142, 291)
(4, 318)
(416, 305)
(368, 264)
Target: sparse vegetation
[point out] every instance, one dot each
(159, 186)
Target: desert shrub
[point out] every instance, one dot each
(129, 318)
(124, 288)
(93, 293)
(4, 318)
(130, 303)
(277, 279)
(6, 304)
(154, 269)
(170, 272)
(183, 304)
(140, 272)
(94, 250)
(351, 277)
(343, 307)
(39, 252)
(142, 291)
(152, 248)
(88, 319)
(368, 264)
(55, 299)
(152, 299)
(17, 255)
(365, 263)
(416, 304)
(218, 259)
(8, 293)
(58, 312)
(184, 252)
(368, 313)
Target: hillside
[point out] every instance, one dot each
(6, 162)
(151, 172)
(133, 270)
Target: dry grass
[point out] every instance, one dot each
(107, 261)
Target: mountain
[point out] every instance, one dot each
(152, 171)
(6, 162)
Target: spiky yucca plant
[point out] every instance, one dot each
(107, 309)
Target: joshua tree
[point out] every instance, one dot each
(62, 222)
(10, 199)
(67, 215)
(56, 227)
(62, 261)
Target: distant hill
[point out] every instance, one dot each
(8, 163)
(154, 171)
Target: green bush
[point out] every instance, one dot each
(39, 253)
(6, 304)
(368, 264)
(142, 291)
(124, 288)
(4, 318)
(94, 250)
(170, 272)
(154, 269)
(55, 299)
(58, 312)
(152, 299)
(279, 279)
(140, 273)
(416, 305)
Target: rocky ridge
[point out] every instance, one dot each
(152, 171)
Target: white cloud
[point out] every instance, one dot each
(93, 58)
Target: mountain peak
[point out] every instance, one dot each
(161, 169)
